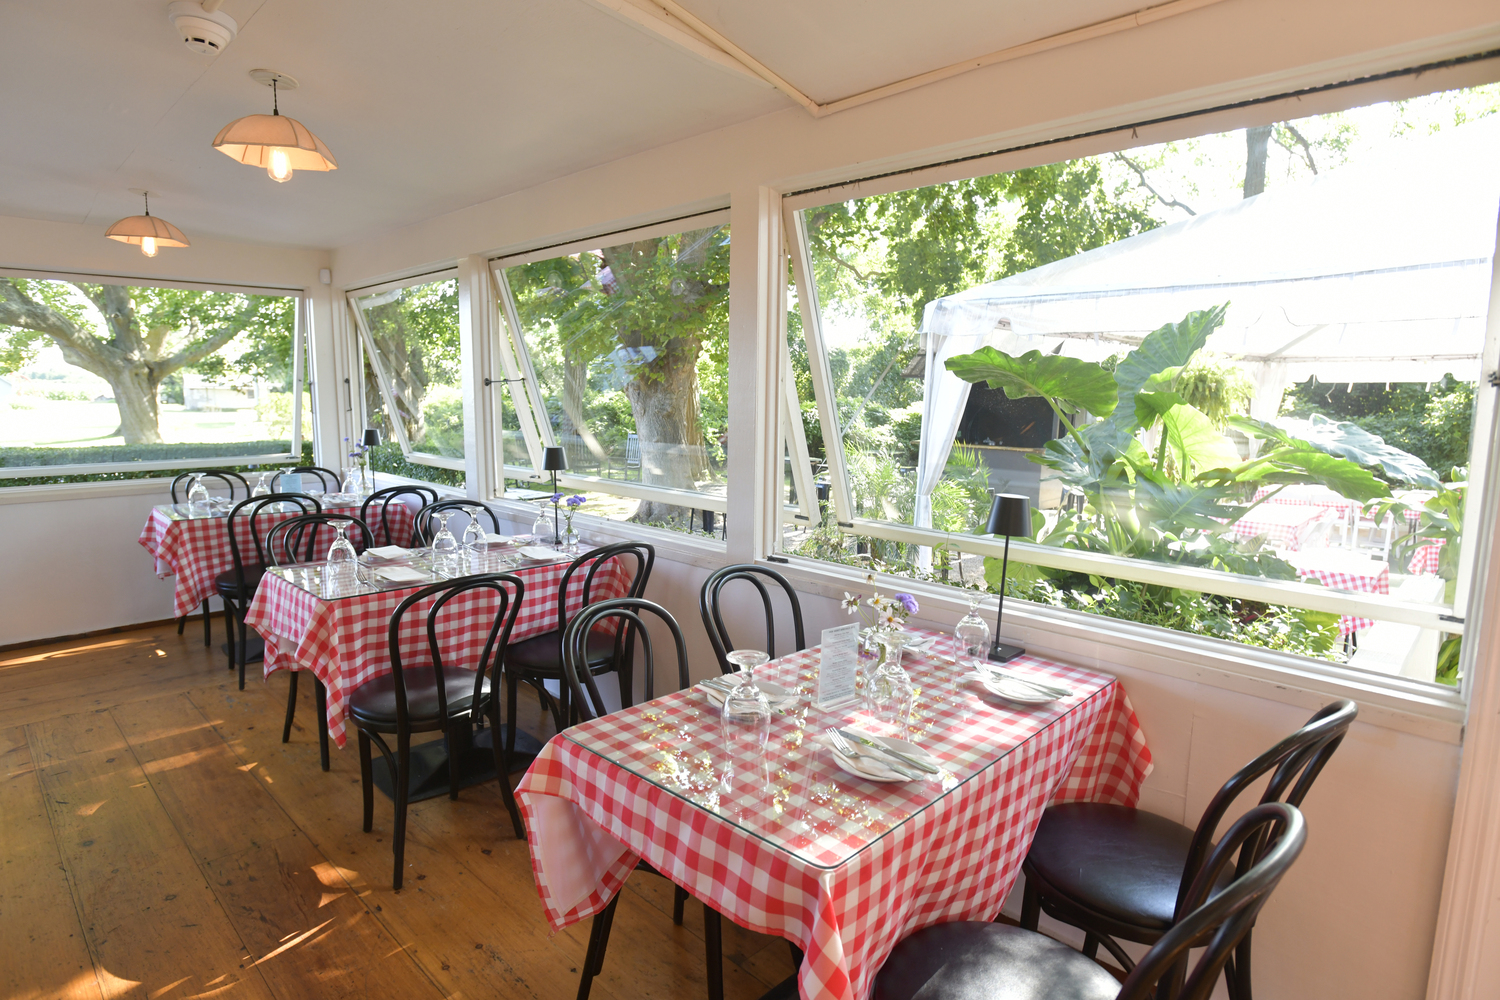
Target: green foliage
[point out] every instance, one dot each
(128, 453)
(1062, 381)
(1434, 423)
(389, 458)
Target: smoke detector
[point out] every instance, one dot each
(203, 27)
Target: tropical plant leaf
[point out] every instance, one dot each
(1351, 441)
(1260, 429)
(1069, 382)
(1174, 507)
(1190, 434)
(1285, 465)
(1171, 346)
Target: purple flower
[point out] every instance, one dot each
(557, 498)
(576, 500)
(908, 602)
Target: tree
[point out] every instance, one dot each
(149, 333)
(415, 331)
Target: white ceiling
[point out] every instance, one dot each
(428, 107)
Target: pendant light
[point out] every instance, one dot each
(147, 231)
(280, 144)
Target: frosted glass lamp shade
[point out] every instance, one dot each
(253, 138)
(141, 227)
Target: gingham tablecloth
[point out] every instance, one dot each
(196, 550)
(344, 641)
(791, 845)
(1286, 526)
(1424, 561)
(1349, 572)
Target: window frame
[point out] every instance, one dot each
(1473, 558)
(367, 352)
(300, 341)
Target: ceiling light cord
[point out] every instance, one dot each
(147, 196)
(275, 107)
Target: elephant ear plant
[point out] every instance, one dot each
(1161, 481)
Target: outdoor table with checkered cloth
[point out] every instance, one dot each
(195, 549)
(343, 640)
(1424, 561)
(1286, 526)
(792, 845)
(1341, 569)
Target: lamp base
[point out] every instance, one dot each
(1002, 652)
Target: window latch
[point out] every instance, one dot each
(498, 381)
(1455, 619)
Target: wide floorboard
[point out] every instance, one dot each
(158, 840)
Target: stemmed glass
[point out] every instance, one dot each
(353, 481)
(444, 545)
(343, 561)
(888, 692)
(541, 528)
(473, 539)
(262, 488)
(197, 497)
(747, 712)
(971, 638)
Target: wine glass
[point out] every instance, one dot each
(541, 528)
(888, 691)
(352, 481)
(262, 488)
(473, 539)
(198, 497)
(444, 545)
(342, 559)
(971, 647)
(747, 713)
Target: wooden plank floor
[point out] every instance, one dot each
(158, 840)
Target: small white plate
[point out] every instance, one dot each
(875, 771)
(539, 553)
(1014, 691)
(778, 696)
(401, 574)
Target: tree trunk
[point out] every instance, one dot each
(575, 379)
(664, 401)
(1257, 141)
(135, 398)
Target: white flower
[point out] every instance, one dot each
(877, 602)
(850, 603)
(891, 620)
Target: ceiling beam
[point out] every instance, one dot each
(668, 19)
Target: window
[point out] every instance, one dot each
(105, 378)
(410, 336)
(1211, 364)
(618, 353)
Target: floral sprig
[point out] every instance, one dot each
(357, 451)
(572, 503)
(884, 614)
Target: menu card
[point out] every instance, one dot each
(839, 665)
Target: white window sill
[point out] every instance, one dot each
(1111, 644)
(81, 491)
(675, 546)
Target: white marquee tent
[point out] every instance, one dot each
(1375, 272)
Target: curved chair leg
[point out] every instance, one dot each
(229, 633)
(181, 624)
(510, 716)
(593, 959)
(242, 651)
(291, 705)
(502, 771)
(679, 898)
(366, 779)
(1237, 972)
(713, 948)
(320, 695)
(1090, 945)
(208, 625)
(403, 778)
(1031, 907)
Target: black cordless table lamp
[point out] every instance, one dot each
(372, 437)
(555, 460)
(1010, 515)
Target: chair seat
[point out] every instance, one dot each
(374, 702)
(227, 583)
(541, 655)
(982, 961)
(1122, 863)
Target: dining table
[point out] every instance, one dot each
(1285, 526)
(787, 841)
(189, 542)
(336, 627)
(1344, 569)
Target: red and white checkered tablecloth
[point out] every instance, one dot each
(196, 550)
(792, 845)
(1285, 526)
(1376, 579)
(344, 641)
(1424, 561)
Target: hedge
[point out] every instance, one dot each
(26, 457)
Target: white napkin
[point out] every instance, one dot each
(541, 553)
(495, 539)
(386, 553)
(401, 574)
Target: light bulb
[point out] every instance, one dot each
(280, 167)
(148, 246)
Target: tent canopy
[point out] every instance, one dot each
(1376, 272)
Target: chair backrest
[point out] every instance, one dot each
(393, 494)
(179, 485)
(629, 611)
(253, 510)
(296, 539)
(426, 525)
(509, 591)
(592, 562)
(1298, 760)
(713, 621)
(327, 477)
(1224, 920)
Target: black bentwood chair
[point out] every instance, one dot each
(539, 659)
(295, 540)
(427, 697)
(236, 587)
(180, 483)
(427, 523)
(579, 642)
(710, 606)
(969, 960)
(1118, 872)
(383, 499)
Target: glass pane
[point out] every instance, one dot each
(414, 331)
(1209, 352)
(114, 373)
(630, 348)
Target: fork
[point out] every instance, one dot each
(847, 749)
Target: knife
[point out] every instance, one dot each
(921, 765)
(1047, 689)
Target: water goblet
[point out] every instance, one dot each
(971, 637)
(342, 561)
(541, 529)
(747, 713)
(262, 488)
(889, 694)
(444, 546)
(198, 498)
(353, 481)
(473, 539)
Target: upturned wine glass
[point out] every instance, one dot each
(198, 497)
(353, 481)
(473, 539)
(444, 543)
(262, 488)
(971, 647)
(747, 712)
(541, 529)
(342, 559)
(888, 691)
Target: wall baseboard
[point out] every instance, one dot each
(95, 633)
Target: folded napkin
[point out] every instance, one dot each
(495, 539)
(401, 574)
(540, 553)
(387, 553)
